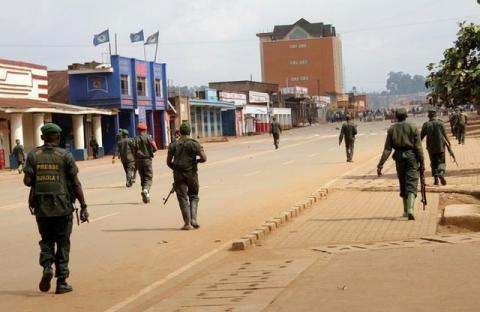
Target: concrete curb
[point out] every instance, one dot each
(270, 225)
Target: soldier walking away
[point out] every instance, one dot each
(19, 155)
(434, 130)
(183, 156)
(275, 130)
(453, 120)
(461, 125)
(124, 151)
(144, 149)
(51, 174)
(404, 138)
(94, 145)
(348, 131)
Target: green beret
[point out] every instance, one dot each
(185, 128)
(50, 128)
(124, 132)
(401, 112)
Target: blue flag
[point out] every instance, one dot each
(152, 39)
(135, 37)
(101, 38)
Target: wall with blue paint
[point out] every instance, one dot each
(103, 90)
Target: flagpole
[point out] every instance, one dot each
(156, 49)
(109, 47)
(116, 46)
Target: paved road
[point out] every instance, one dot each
(129, 245)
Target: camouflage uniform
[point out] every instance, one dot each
(53, 169)
(404, 138)
(434, 130)
(184, 152)
(348, 131)
(125, 150)
(143, 160)
(461, 126)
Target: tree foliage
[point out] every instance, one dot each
(455, 80)
(402, 83)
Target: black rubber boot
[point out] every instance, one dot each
(47, 276)
(63, 287)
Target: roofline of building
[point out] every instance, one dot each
(244, 81)
(61, 108)
(267, 34)
(22, 64)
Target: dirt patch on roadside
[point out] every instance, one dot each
(447, 199)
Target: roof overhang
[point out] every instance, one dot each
(12, 105)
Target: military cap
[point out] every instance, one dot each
(432, 110)
(185, 128)
(50, 128)
(124, 132)
(347, 116)
(401, 112)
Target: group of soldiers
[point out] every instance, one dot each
(52, 175)
(458, 122)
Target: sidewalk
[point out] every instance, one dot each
(351, 252)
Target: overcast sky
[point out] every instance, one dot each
(214, 40)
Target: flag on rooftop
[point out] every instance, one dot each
(152, 39)
(135, 37)
(101, 38)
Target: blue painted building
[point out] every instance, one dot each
(136, 88)
(206, 114)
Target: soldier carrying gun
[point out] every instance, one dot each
(52, 175)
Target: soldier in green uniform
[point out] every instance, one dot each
(349, 131)
(275, 130)
(19, 155)
(124, 151)
(144, 149)
(51, 174)
(404, 138)
(461, 125)
(183, 156)
(436, 140)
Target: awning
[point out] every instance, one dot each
(171, 107)
(12, 105)
(216, 104)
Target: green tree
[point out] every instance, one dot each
(455, 80)
(402, 83)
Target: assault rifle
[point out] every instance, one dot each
(423, 186)
(450, 151)
(165, 200)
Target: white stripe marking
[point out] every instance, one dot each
(104, 217)
(252, 173)
(287, 162)
(174, 274)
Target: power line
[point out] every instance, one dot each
(408, 24)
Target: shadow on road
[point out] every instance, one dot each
(463, 172)
(143, 230)
(370, 177)
(22, 293)
(361, 219)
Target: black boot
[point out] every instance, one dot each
(47, 276)
(62, 287)
(435, 181)
(442, 180)
(193, 213)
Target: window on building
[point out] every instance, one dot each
(303, 78)
(303, 62)
(141, 86)
(158, 88)
(298, 34)
(124, 85)
(294, 79)
(302, 45)
(293, 62)
(293, 46)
